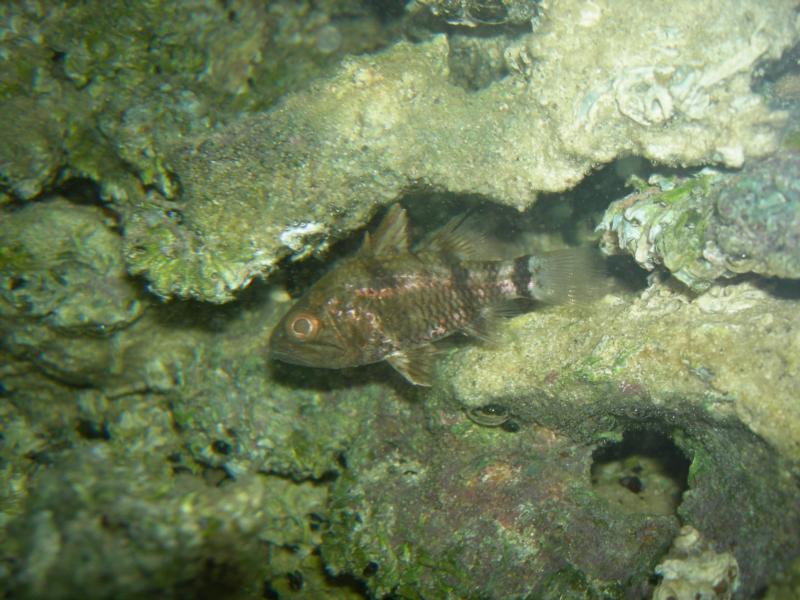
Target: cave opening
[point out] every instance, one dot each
(644, 473)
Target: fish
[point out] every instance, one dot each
(391, 303)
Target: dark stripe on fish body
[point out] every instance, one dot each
(521, 276)
(381, 276)
(460, 277)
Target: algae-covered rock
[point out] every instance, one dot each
(259, 424)
(190, 470)
(472, 13)
(586, 87)
(127, 97)
(61, 265)
(64, 289)
(31, 151)
(99, 526)
(692, 569)
(710, 374)
(438, 507)
(713, 225)
(757, 228)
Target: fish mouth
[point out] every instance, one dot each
(291, 357)
(318, 354)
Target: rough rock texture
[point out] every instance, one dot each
(64, 290)
(712, 373)
(153, 449)
(592, 83)
(713, 225)
(102, 91)
(445, 507)
(473, 13)
(692, 569)
(104, 525)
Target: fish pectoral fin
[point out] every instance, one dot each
(486, 326)
(391, 236)
(416, 364)
(486, 330)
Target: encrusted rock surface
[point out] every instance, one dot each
(592, 83)
(713, 225)
(692, 569)
(717, 374)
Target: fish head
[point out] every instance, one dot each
(308, 335)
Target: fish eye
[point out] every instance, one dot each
(303, 327)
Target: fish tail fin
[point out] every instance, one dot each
(571, 275)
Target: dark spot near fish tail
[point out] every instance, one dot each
(370, 569)
(521, 276)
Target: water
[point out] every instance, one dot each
(174, 175)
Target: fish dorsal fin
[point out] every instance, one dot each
(462, 238)
(415, 364)
(391, 236)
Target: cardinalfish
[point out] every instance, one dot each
(388, 302)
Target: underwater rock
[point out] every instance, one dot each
(713, 225)
(105, 525)
(101, 93)
(61, 264)
(473, 13)
(435, 505)
(31, 151)
(693, 570)
(64, 289)
(716, 375)
(261, 425)
(290, 181)
(586, 87)
(757, 225)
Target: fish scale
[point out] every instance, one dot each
(390, 303)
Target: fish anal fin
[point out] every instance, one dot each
(391, 236)
(415, 364)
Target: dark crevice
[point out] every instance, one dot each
(645, 472)
(79, 190)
